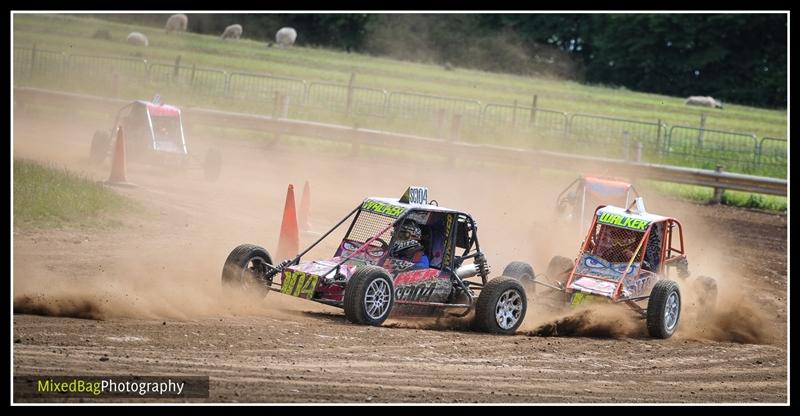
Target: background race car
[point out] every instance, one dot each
(153, 134)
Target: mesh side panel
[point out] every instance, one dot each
(652, 254)
(369, 224)
(615, 244)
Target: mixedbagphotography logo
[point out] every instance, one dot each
(61, 387)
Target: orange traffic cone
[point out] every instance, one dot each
(289, 239)
(305, 203)
(118, 168)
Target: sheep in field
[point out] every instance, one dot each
(703, 102)
(232, 32)
(177, 23)
(285, 37)
(136, 38)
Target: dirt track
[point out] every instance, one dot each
(153, 286)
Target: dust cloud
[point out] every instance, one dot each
(171, 269)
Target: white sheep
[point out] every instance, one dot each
(177, 23)
(285, 37)
(136, 38)
(232, 32)
(703, 102)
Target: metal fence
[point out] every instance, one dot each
(29, 62)
(346, 99)
(259, 87)
(734, 150)
(773, 153)
(602, 135)
(501, 115)
(424, 106)
(97, 67)
(609, 130)
(202, 81)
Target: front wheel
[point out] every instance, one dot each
(663, 309)
(245, 269)
(101, 143)
(501, 306)
(369, 296)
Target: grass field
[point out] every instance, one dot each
(48, 196)
(72, 34)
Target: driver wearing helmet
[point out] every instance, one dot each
(408, 248)
(618, 248)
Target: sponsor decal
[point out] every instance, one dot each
(420, 292)
(581, 298)
(397, 265)
(300, 284)
(600, 287)
(448, 243)
(416, 276)
(623, 221)
(382, 208)
(635, 287)
(421, 285)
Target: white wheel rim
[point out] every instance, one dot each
(377, 298)
(508, 309)
(671, 311)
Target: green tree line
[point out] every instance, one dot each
(736, 57)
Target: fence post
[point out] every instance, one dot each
(191, 79)
(455, 135)
(514, 116)
(176, 69)
(227, 87)
(532, 120)
(626, 146)
(350, 92)
(700, 137)
(638, 154)
(717, 199)
(441, 122)
(658, 138)
(280, 105)
(455, 128)
(757, 158)
(285, 105)
(33, 60)
(115, 84)
(355, 147)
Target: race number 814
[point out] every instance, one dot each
(299, 284)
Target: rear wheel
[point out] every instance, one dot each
(245, 269)
(522, 272)
(369, 296)
(501, 306)
(663, 309)
(212, 164)
(706, 288)
(101, 143)
(559, 268)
